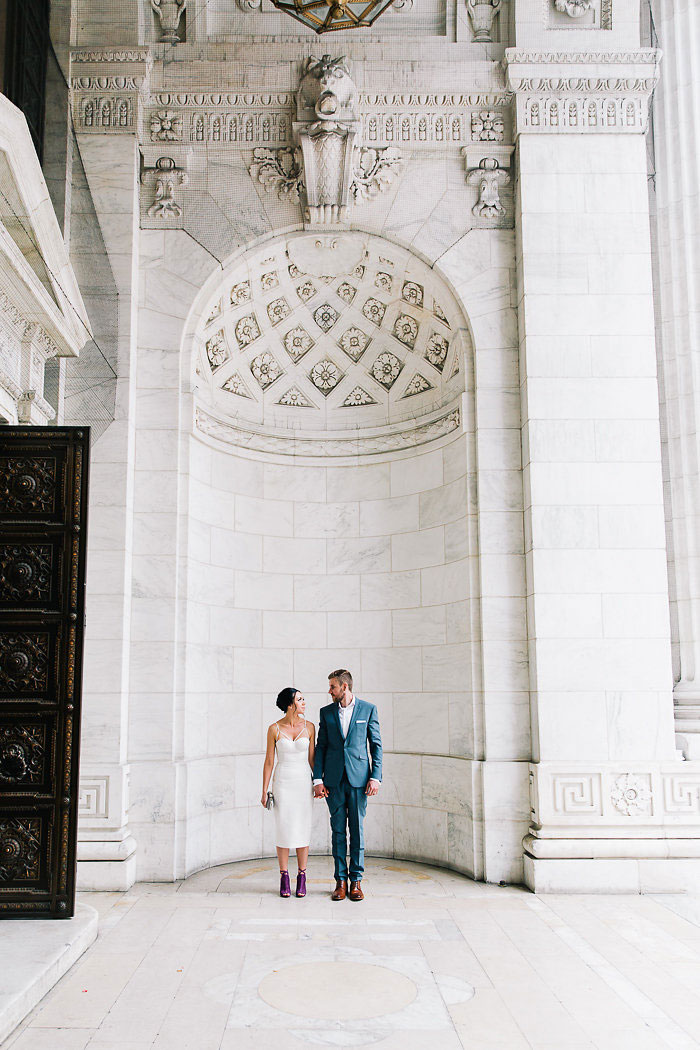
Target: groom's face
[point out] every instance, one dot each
(336, 689)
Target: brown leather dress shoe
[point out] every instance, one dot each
(356, 893)
(340, 891)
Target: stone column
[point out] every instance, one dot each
(106, 87)
(105, 847)
(612, 807)
(676, 133)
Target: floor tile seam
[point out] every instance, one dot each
(242, 962)
(582, 966)
(497, 990)
(620, 983)
(671, 915)
(659, 962)
(614, 936)
(572, 1018)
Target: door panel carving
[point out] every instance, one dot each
(43, 519)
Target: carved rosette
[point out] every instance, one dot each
(24, 662)
(28, 486)
(20, 848)
(630, 795)
(22, 751)
(25, 572)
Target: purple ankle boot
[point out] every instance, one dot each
(301, 884)
(285, 888)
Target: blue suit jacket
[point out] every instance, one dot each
(335, 754)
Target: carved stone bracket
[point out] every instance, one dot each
(165, 177)
(487, 169)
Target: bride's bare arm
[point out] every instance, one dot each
(269, 762)
(312, 745)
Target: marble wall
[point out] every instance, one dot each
(295, 570)
(498, 586)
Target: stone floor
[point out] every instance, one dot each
(428, 960)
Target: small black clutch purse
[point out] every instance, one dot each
(270, 801)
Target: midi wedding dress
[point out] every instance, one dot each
(291, 787)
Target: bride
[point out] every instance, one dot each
(292, 739)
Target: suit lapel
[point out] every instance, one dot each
(353, 717)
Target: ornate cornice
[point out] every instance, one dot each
(581, 91)
(643, 55)
(112, 55)
(107, 83)
(27, 329)
(328, 446)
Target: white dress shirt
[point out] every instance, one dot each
(345, 715)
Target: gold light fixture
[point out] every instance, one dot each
(327, 16)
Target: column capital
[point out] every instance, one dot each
(581, 91)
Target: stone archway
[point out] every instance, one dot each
(332, 478)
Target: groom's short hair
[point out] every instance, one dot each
(343, 676)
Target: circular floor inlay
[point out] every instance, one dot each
(337, 991)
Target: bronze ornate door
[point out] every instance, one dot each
(43, 517)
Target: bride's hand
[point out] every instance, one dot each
(263, 800)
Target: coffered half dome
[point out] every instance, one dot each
(330, 333)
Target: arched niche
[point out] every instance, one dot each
(330, 520)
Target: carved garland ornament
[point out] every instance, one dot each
(573, 8)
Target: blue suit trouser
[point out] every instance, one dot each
(347, 806)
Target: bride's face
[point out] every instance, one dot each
(299, 704)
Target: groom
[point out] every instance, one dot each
(342, 776)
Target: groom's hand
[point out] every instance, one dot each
(372, 787)
(320, 791)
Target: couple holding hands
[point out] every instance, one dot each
(339, 759)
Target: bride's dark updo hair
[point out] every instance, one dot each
(285, 699)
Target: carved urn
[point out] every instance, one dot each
(169, 12)
(482, 14)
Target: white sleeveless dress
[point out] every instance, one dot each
(293, 792)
